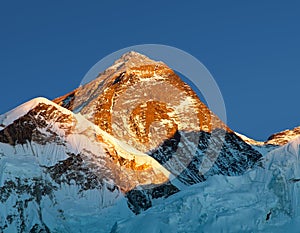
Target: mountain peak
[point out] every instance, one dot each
(145, 104)
(132, 54)
(11, 116)
(132, 59)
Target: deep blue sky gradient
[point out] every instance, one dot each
(252, 48)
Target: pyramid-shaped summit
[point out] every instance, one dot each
(129, 60)
(133, 58)
(146, 104)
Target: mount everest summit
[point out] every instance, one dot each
(137, 147)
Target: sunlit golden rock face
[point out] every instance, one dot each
(283, 137)
(146, 114)
(128, 174)
(145, 104)
(142, 102)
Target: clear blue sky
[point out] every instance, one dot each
(252, 48)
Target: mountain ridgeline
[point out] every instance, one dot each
(113, 148)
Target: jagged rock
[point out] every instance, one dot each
(146, 104)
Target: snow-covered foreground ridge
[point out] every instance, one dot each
(61, 173)
(129, 152)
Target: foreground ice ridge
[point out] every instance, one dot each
(52, 159)
(68, 165)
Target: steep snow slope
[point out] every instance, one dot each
(58, 169)
(250, 140)
(263, 200)
(31, 201)
(73, 128)
(262, 147)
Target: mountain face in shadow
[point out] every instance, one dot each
(230, 158)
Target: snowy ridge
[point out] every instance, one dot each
(126, 151)
(277, 139)
(9, 117)
(40, 161)
(250, 140)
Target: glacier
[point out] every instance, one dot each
(265, 199)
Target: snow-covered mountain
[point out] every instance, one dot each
(145, 104)
(118, 152)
